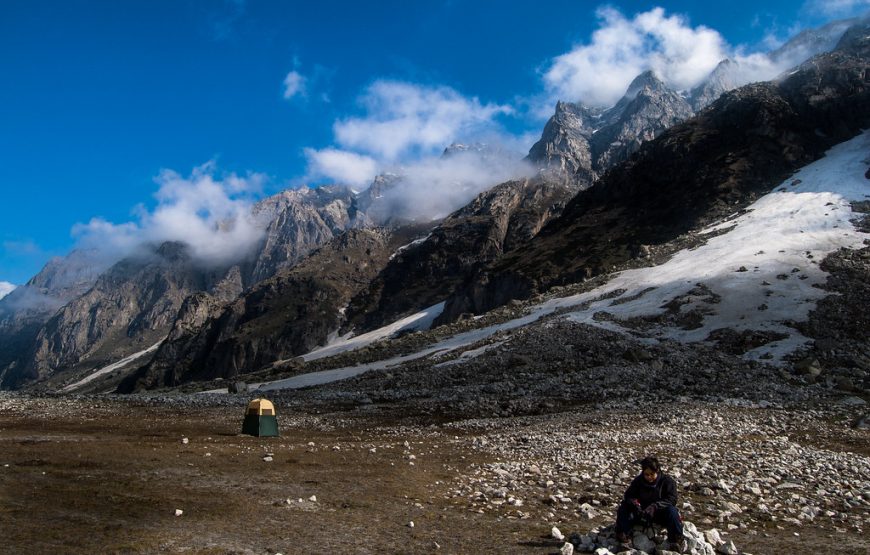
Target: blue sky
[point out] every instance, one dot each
(115, 117)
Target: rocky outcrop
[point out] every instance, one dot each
(697, 172)
(721, 80)
(840, 326)
(281, 317)
(564, 147)
(297, 222)
(582, 143)
(647, 109)
(425, 272)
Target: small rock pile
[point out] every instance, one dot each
(648, 540)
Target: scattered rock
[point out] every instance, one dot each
(238, 387)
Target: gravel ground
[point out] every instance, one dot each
(106, 474)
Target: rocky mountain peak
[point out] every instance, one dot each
(856, 40)
(584, 142)
(456, 148)
(810, 42)
(563, 150)
(648, 80)
(722, 79)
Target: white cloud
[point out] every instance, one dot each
(598, 73)
(836, 8)
(410, 119)
(403, 130)
(6, 288)
(295, 84)
(341, 166)
(210, 214)
(436, 186)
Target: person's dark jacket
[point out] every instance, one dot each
(661, 493)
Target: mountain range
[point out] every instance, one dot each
(612, 189)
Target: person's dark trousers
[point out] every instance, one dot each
(628, 515)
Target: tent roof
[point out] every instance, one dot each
(260, 405)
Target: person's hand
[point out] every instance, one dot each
(649, 512)
(636, 503)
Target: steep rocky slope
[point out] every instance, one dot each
(577, 141)
(695, 173)
(425, 272)
(281, 317)
(298, 221)
(129, 307)
(26, 309)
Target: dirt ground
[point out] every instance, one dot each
(107, 477)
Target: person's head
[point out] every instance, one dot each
(651, 468)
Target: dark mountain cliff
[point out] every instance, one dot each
(711, 166)
(424, 273)
(297, 222)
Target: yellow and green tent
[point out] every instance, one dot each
(260, 419)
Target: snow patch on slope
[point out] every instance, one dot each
(410, 245)
(419, 321)
(110, 368)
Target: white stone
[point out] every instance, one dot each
(557, 534)
(712, 536)
(643, 543)
(411, 524)
(567, 549)
(185, 441)
(178, 512)
(313, 499)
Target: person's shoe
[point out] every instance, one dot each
(623, 540)
(681, 546)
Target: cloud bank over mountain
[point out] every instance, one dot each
(208, 212)
(597, 73)
(6, 288)
(401, 123)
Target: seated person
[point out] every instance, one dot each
(651, 498)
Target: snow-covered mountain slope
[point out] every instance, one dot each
(761, 273)
(758, 272)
